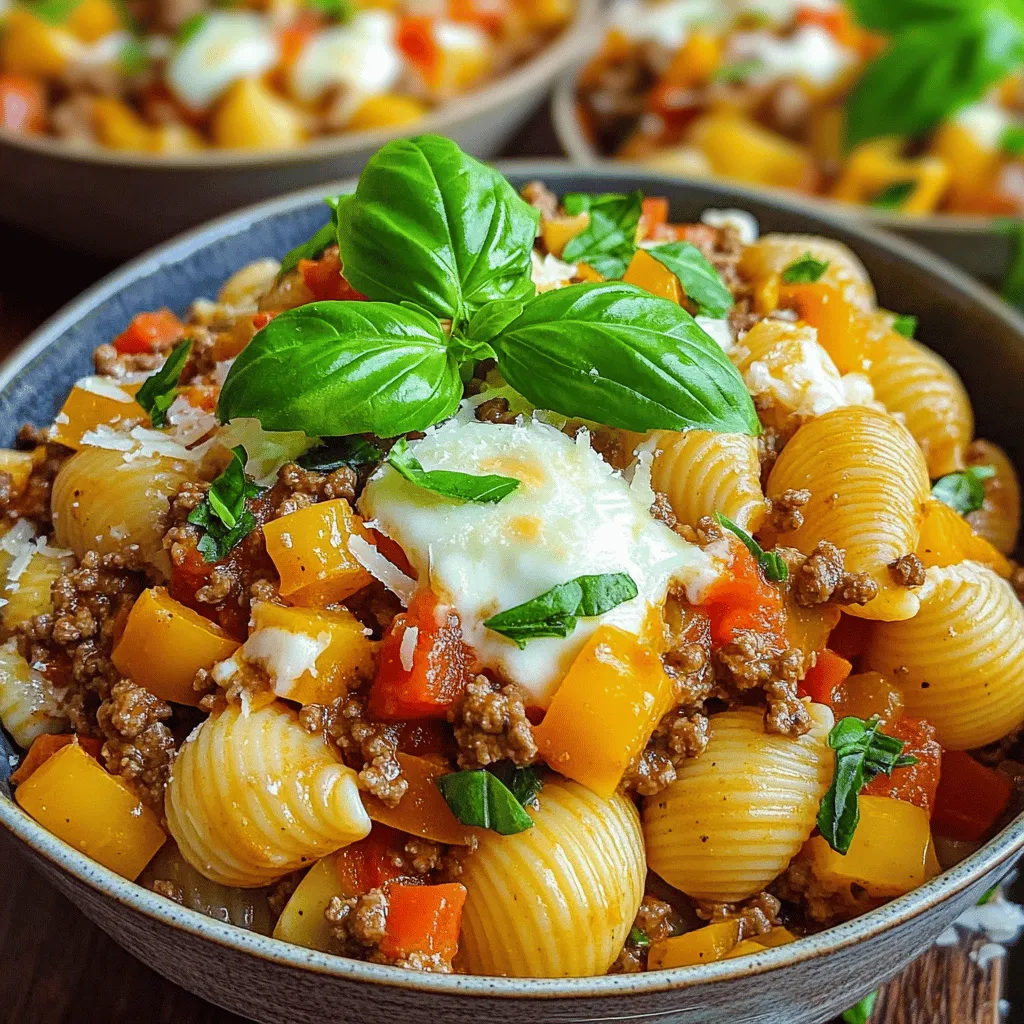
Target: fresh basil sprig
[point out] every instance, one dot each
(616, 354)
(861, 1013)
(336, 452)
(893, 196)
(335, 368)
(805, 270)
(223, 517)
(964, 492)
(159, 389)
(478, 797)
(905, 324)
(699, 279)
(1012, 287)
(771, 563)
(1012, 142)
(555, 612)
(487, 489)
(608, 241)
(862, 752)
(737, 72)
(430, 225)
(523, 783)
(314, 248)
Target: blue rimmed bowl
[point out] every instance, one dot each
(803, 983)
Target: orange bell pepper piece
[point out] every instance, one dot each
(416, 40)
(84, 410)
(424, 919)
(917, 783)
(22, 104)
(970, 799)
(825, 677)
(371, 862)
(149, 332)
(653, 215)
(866, 694)
(842, 328)
(604, 710)
(45, 746)
(701, 946)
(947, 539)
(558, 232)
(646, 272)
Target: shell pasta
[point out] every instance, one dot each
(563, 603)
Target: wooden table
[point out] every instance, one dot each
(58, 968)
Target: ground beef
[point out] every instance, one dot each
(169, 890)
(662, 510)
(648, 773)
(491, 725)
(785, 512)
(34, 501)
(358, 922)
(495, 410)
(756, 915)
(707, 531)
(111, 363)
(908, 571)
(368, 746)
(541, 198)
(655, 920)
(423, 855)
(282, 891)
(681, 734)
(822, 577)
(818, 902)
(139, 746)
(630, 960)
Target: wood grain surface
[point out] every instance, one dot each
(56, 967)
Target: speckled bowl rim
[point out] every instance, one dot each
(539, 70)
(903, 910)
(579, 149)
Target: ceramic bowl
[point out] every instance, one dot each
(804, 983)
(972, 243)
(116, 204)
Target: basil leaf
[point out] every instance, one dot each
(189, 29)
(638, 937)
(930, 70)
(336, 10)
(964, 492)
(335, 368)
(222, 516)
(616, 354)
(805, 270)
(905, 324)
(1012, 288)
(554, 613)
(227, 493)
(431, 225)
(861, 1013)
(476, 797)
(1012, 142)
(488, 489)
(133, 59)
(490, 320)
(888, 17)
(862, 752)
(336, 452)
(608, 241)
(314, 248)
(771, 563)
(523, 783)
(698, 277)
(55, 12)
(893, 196)
(740, 71)
(159, 389)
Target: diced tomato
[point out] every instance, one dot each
(917, 783)
(970, 799)
(416, 40)
(701, 235)
(293, 37)
(22, 104)
(850, 637)
(439, 662)
(372, 862)
(424, 919)
(490, 15)
(323, 278)
(653, 215)
(149, 332)
(828, 672)
(190, 572)
(261, 319)
(45, 746)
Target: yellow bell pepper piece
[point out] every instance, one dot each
(557, 232)
(302, 921)
(386, 110)
(310, 548)
(697, 60)
(605, 709)
(646, 272)
(92, 19)
(585, 272)
(889, 854)
(96, 813)
(972, 166)
(701, 946)
(778, 936)
(545, 14)
(745, 948)
(33, 47)
(18, 466)
(165, 643)
(741, 149)
(176, 138)
(86, 410)
(876, 165)
(459, 67)
(947, 539)
(347, 657)
(251, 116)
(119, 127)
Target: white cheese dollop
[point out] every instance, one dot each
(986, 123)
(668, 22)
(810, 53)
(572, 515)
(744, 223)
(228, 46)
(285, 656)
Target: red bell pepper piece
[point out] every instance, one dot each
(424, 919)
(149, 332)
(970, 798)
(828, 672)
(917, 783)
(323, 278)
(372, 862)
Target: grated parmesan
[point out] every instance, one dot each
(408, 646)
(105, 388)
(285, 656)
(380, 568)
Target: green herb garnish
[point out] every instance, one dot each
(133, 59)
(523, 783)
(336, 10)
(771, 563)
(159, 389)
(1012, 142)
(608, 241)
(1012, 288)
(740, 71)
(805, 270)
(905, 324)
(893, 196)
(699, 279)
(862, 752)
(189, 29)
(861, 1013)
(488, 489)
(555, 612)
(223, 517)
(638, 937)
(336, 452)
(964, 492)
(54, 12)
(478, 797)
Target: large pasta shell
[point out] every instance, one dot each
(960, 661)
(30, 594)
(253, 796)
(738, 814)
(702, 473)
(919, 385)
(868, 484)
(28, 704)
(998, 520)
(557, 900)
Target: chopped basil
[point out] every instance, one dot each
(608, 241)
(740, 71)
(133, 59)
(805, 270)
(336, 10)
(1013, 283)
(905, 324)
(55, 12)
(314, 248)
(771, 563)
(189, 29)
(862, 752)
(555, 612)
(893, 196)
(478, 797)
(861, 1013)
(638, 937)
(699, 279)
(523, 783)
(964, 492)
(488, 489)
(223, 517)
(159, 389)
(352, 451)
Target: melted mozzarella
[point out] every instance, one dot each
(229, 45)
(361, 55)
(745, 224)
(810, 53)
(285, 656)
(986, 123)
(572, 515)
(668, 22)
